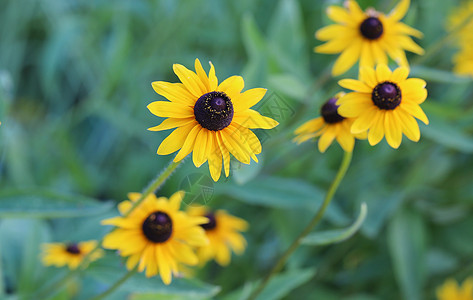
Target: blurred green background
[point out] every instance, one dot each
(75, 79)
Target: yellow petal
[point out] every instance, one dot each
(413, 89)
(400, 10)
(392, 130)
(339, 15)
(233, 146)
(368, 76)
(409, 125)
(399, 75)
(175, 92)
(248, 99)
(188, 145)
(355, 85)
(175, 140)
(225, 154)
(202, 75)
(213, 81)
(232, 86)
(176, 199)
(345, 139)
(383, 73)
(336, 45)
(215, 159)
(163, 265)
(253, 119)
(170, 123)
(364, 121)
(401, 28)
(414, 110)
(330, 32)
(355, 108)
(326, 139)
(170, 109)
(199, 155)
(190, 80)
(379, 54)
(408, 44)
(376, 132)
(348, 58)
(310, 126)
(366, 56)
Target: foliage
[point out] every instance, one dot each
(75, 79)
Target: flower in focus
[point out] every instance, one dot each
(368, 36)
(384, 103)
(330, 126)
(156, 235)
(211, 119)
(223, 231)
(70, 254)
(451, 291)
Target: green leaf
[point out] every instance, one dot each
(448, 135)
(139, 284)
(406, 240)
(337, 235)
(281, 285)
(289, 85)
(39, 203)
(280, 192)
(434, 75)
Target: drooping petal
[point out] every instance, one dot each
(170, 123)
(376, 132)
(167, 109)
(392, 130)
(253, 119)
(199, 155)
(188, 143)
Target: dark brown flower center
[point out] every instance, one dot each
(386, 95)
(214, 111)
(73, 248)
(157, 227)
(371, 28)
(329, 112)
(212, 222)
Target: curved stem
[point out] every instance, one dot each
(116, 285)
(152, 187)
(317, 218)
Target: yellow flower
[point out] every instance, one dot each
(223, 231)
(212, 120)
(462, 16)
(70, 254)
(368, 36)
(328, 127)
(156, 235)
(463, 61)
(385, 104)
(451, 291)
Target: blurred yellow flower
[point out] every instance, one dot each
(450, 290)
(70, 254)
(384, 103)
(212, 120)
(462, 18)
(156, 235)
(463, 61)
(223, 231)
(368, 36)
(330, 126)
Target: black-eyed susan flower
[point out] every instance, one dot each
(368, 36)
(223, 231)
(212, 120)
(156, 235)
(384, 103)
(329, 127)
(70, 254)
(450, 290)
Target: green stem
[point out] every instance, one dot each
(152, 187)
(317, 218)
(116, 285)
